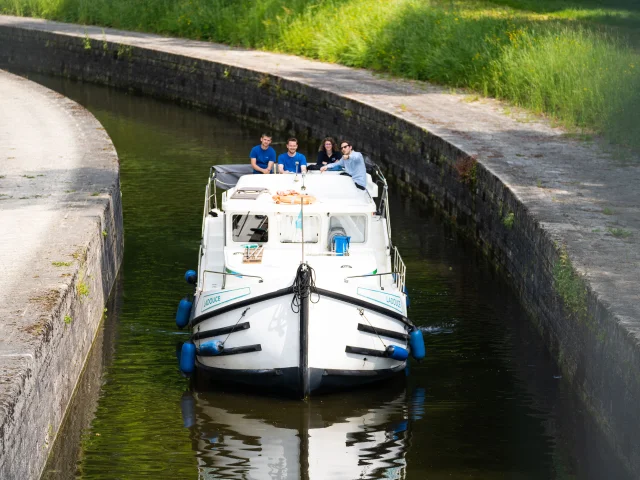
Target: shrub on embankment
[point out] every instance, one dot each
(563, 58)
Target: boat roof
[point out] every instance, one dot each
(333, 192)
(227, 175)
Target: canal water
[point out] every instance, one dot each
(486, 403)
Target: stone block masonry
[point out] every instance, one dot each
(558, 216)
(61, 245)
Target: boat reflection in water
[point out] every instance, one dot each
(341, 436)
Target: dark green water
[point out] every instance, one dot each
(487, 403)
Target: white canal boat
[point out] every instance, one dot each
(299, 288)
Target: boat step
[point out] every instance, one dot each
(383, 332)
(234, 351)
(221, 331)
(366, 351)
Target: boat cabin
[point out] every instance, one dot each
(260, 234)
(332, 208)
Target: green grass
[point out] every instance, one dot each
(82, 289)
(575, 61)
(508, 220)
(619, 232)
(570, 286)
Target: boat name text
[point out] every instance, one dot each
(215, 299)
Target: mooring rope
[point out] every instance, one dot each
(361, 312)
(304, 285)
(234, 327)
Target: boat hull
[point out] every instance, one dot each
(286, 381)
(299, 346)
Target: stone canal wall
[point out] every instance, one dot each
(557, 215)
(61, 244)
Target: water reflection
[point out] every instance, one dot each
(341, 436)
(67, 450)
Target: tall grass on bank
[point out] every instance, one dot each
(583, 75)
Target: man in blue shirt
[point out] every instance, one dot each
(263, 156)
(287, 161)
(353, 164)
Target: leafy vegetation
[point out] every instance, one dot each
(508, 220)
(570, 286)
(467, 169)
(83, 289)
(572, 60)
(619, 232)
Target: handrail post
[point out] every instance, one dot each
(224, 276)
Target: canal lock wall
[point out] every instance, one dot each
(60, 250)
(469, 175)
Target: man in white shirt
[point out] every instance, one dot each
(353, 163)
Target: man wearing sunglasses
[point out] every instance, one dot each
(353, 164)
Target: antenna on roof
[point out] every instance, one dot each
(302, 225)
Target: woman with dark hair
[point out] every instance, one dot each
(327, 152)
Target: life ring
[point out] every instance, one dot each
(291, 197)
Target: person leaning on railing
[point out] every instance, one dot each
(353, 164)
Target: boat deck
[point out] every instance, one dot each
(331, 190)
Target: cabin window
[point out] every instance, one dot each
(291, 228)
(354, 226)
(250, 228)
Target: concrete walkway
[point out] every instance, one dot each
(579, 192)
(58, 170)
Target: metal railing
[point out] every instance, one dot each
(379, 275)
(234, 274)
(382, 208)
(399, 272)
(211, 195)
(397, 265)
(207, 208)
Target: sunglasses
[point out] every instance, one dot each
(345, 146)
